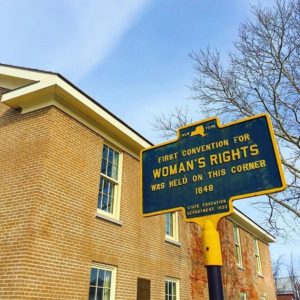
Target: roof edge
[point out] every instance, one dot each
(81, 92)
(71, 89)
(249, 225)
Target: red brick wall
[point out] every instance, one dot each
(245, 279)
(235, 280)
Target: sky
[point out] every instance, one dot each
(132, 56)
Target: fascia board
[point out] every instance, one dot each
(251, 227)
(23, 73)
(13, 98)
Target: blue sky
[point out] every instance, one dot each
(129, 55)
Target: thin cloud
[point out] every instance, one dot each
(70, 37)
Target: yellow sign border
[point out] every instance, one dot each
(215, 218)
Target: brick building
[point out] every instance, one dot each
(70, 217)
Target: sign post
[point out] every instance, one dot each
(207, 167)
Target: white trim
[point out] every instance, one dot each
(23, 73)
(101, 215)
(176, 243)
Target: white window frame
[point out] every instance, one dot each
(258, 265)
(175, 229)
(237, 246)
(113, 271)
(115, 215)
(243, 296)
(177, 284)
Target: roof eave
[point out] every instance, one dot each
(53, 90)
(249, 225)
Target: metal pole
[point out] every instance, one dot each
(213, 260)
(215, 286)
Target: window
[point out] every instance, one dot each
(102, 283)
(108, 199)
(172, 289)
(257, 258)
(171, 226)
(243, 296)
(237, 246)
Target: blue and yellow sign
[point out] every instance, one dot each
(209, 166)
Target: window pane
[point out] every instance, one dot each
(107, 280)
(93, 277)
(99, 294)
(106, 295)
(167, 224)
(114, 174)
(174, 288)
(109, 206)
(170, 224)
(110, 155)
(105, 186)
(104, 202)
(116, 158)
(101, 278)
(92, 293)
(109, 169)
(236, 253)
(104, 160)
(111, 197)
(235, 234)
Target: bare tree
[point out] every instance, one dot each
(167, 124)
(277, 267)
(261, 75)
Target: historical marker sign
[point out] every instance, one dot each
(210, 165)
